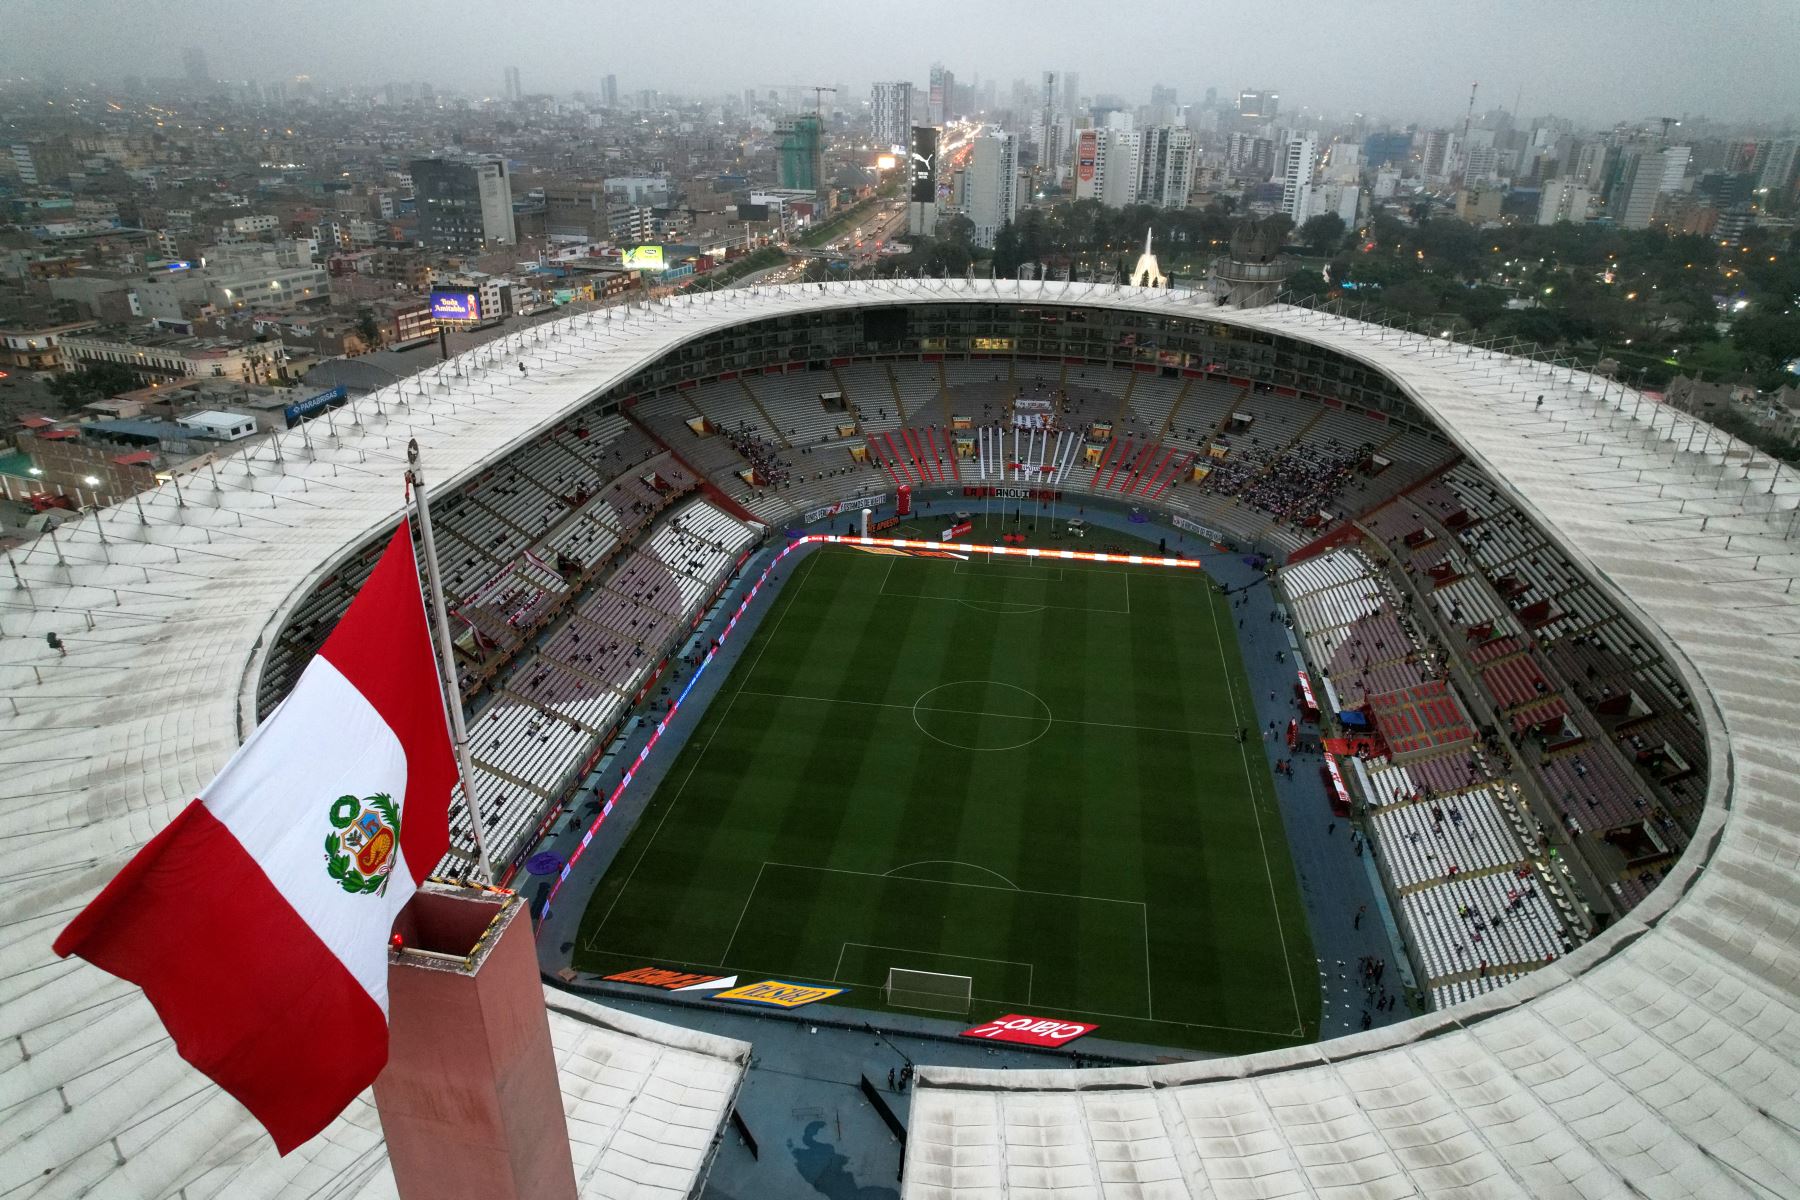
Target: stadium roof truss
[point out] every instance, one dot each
(1658, 1060)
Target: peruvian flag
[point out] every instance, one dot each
(257, 922)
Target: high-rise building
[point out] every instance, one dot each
(1481, 164)
(1438, 159)
(1165, 166)
(802, 153)
(1250, 157)
(1639, 176)
(941, 101)
(1107, 165)
(1259, 104)
(193, 62)
(513, 91)
(991, 185)
(1071, 100)
(1563, 199)
(609, 91)
(1379, 149)
(464, 205)
(1675, 164)
(890, 113)
(1049, 139)
(1775, 179)
(1298, 159)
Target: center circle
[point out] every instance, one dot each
(981, 714)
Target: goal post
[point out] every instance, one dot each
(932, 991)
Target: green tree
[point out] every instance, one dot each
(367, 328)
(956, 230)
(1323, 234)
(1007, 251)
(96, 382)
(1770, 337)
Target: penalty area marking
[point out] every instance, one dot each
(1046, 572)
(1143, 911)
(837, 974)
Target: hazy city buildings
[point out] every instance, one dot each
(1262, 104)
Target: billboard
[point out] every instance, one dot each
(778, 993)
(313, 406)
(642, 258)
(924, 164)
(1087, 154)
(458, 305)
(1030, 1031)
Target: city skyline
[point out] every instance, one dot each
(1387, 60)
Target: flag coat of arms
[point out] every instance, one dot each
(258, 921)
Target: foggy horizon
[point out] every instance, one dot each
(1396, 60)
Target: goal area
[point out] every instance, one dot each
(931, 991)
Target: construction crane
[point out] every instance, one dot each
(1456, 171)
(819, 101)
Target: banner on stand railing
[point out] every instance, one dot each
(853, 507)
(1210, 534)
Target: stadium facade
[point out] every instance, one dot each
(1658, 1059)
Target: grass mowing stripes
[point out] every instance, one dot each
(1022, 772)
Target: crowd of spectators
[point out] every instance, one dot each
(763, 455)
(1292, 486)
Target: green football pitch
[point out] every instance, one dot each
(1022, 772)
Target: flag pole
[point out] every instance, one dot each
(459, 733)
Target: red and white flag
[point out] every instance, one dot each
(258, 921)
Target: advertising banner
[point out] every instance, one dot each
(642, 258)
(312, 406)
(1030, 1031)
(924, 164)
(1087, 154)
(853, 506)
(1210, 534)
(666, 980)
(1011, 493)
(957, 530)
(777, 994)
(455, 305)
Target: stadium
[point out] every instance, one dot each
(1127, 551)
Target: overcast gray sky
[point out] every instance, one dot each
(1595, 60)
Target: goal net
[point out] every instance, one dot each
(929, 990)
